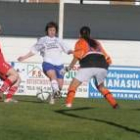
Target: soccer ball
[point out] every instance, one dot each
(42, 96)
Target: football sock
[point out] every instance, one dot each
(7, 83)
(70, 95)
(54, 85)
(11, 91)
(109, 97)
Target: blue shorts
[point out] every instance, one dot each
(47, 66)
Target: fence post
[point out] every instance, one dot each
(61, 18)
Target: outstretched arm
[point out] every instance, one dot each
(26, 56)
(73, 62)
(68, 68)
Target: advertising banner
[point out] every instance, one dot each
(33, 79)
(123, 82)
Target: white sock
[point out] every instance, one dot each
(54, 85)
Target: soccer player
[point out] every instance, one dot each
(94, 63)
(50, 48)
(10, 77)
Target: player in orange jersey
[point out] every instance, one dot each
(94, 63)
(10, 77)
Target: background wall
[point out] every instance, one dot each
(107, 21)
(22, 19)
(123, 78)
(123, 52)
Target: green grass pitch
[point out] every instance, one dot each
(89, 119)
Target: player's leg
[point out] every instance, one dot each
(84, 74)
(72, 91)
(60, 79)
(53, 79)
(49, 71)
(8, 76)
(60, 83)
(99, 78)
(2, 77)
(54, 84)
(12, 90)
(11, 81)
(108, 96)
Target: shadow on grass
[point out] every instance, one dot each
(30, 101)
(68, 113)
(138, 109)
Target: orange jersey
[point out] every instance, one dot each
(82, 49)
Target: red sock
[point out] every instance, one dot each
(11, 91)
(7, 83)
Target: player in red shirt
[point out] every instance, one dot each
(10, 78)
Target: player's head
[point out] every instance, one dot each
(51, 29)
(85, 32)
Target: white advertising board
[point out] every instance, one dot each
(125, 54)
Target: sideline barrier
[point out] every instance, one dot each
(123, 81)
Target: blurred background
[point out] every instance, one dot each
(111, 20)
(114, 23)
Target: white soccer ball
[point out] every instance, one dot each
(42, 96)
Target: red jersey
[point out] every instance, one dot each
(1, 55)
(4, 66)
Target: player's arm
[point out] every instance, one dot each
(73, 62)
(107, 57)
(76, 55)
(26, 56)
(33, 50)
(66, 49)
(71, 65)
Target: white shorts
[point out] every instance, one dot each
(85, 74)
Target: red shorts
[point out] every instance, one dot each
(4, 68)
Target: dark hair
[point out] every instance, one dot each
(51, 25)
(85, 33)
